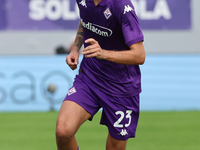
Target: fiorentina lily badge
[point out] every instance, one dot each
(107, 13)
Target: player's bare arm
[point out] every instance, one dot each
(79, 37)
(134, 56)
(72, 58)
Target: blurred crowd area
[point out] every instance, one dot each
(35, 33)
(48, 27)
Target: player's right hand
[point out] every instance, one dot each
(72, 59)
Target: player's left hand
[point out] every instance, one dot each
(93, 50)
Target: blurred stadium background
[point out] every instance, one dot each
(34, 33)
(32, 30)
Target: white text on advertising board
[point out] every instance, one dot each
(60, 9)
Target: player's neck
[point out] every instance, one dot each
(96, 2)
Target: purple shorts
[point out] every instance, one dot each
(120, 114)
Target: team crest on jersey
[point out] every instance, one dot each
(107, 13)
(71, 91)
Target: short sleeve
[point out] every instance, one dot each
(125, 13)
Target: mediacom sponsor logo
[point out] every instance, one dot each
(97, 29)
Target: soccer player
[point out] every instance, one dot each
(109, 74)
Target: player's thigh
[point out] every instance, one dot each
(114, 144)
(70, 117)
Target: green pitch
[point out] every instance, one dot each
(156, 131)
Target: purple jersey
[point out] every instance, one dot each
(114, 24)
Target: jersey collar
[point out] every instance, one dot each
(102, 2)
